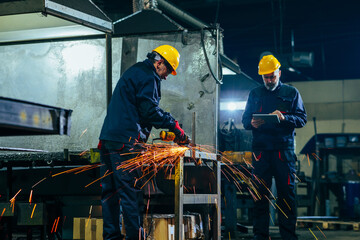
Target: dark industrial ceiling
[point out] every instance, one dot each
(328, 28)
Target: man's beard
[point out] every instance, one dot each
(271, 86)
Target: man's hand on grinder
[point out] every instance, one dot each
(181, 137)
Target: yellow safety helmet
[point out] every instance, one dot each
(268, 64)
(170, 54)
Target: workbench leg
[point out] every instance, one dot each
(179, 174)
(8, 196)
(230, 209)
(218, 203)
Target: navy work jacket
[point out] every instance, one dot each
(134, 106)
(279, 136)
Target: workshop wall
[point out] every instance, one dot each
(71, 75)
(66, 74)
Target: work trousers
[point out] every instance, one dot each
(279, 164)
(120, 193)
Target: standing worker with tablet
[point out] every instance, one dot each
(273, 146)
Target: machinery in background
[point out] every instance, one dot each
(336, 169)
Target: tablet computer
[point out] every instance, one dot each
(268, 118)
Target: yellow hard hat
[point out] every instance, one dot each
(170, 54)
(268, 64)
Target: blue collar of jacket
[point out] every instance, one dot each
(151, 65)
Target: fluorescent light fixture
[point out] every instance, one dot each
(227, 71)
(291, 69)
(232, 106)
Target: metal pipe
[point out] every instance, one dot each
(21, 149)
(108, 69)
(175, 11)
(193, 128)
(217, 91)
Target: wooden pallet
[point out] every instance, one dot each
(330, 224)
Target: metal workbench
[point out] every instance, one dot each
(209, 160)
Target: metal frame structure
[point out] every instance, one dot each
(181, 199)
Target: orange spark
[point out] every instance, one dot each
(281, 210)
(88, 220)
(83, 152)
(90, 210)
(53, 227)
(313, 234)
(297, 177)
(57, 222)
(105, 175)
(83, 133)
(38, 182)
(316, 156)
(308, 159)
(30, 197)
(270, 202)
(272, 219)
(32, 213)
(13, 198)
(3, 212)
(287, 204)
(321, 231)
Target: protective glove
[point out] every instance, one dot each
(179, 133)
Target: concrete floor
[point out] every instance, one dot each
(305, 234)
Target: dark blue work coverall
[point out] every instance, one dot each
(273, 155)
(132, 112)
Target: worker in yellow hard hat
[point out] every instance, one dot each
(132, 112)
(272, 113)
(269, 68)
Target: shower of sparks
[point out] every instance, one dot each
(32, 213)
(156, 157)
(321, 231)
(313, 234)
(83, 133)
